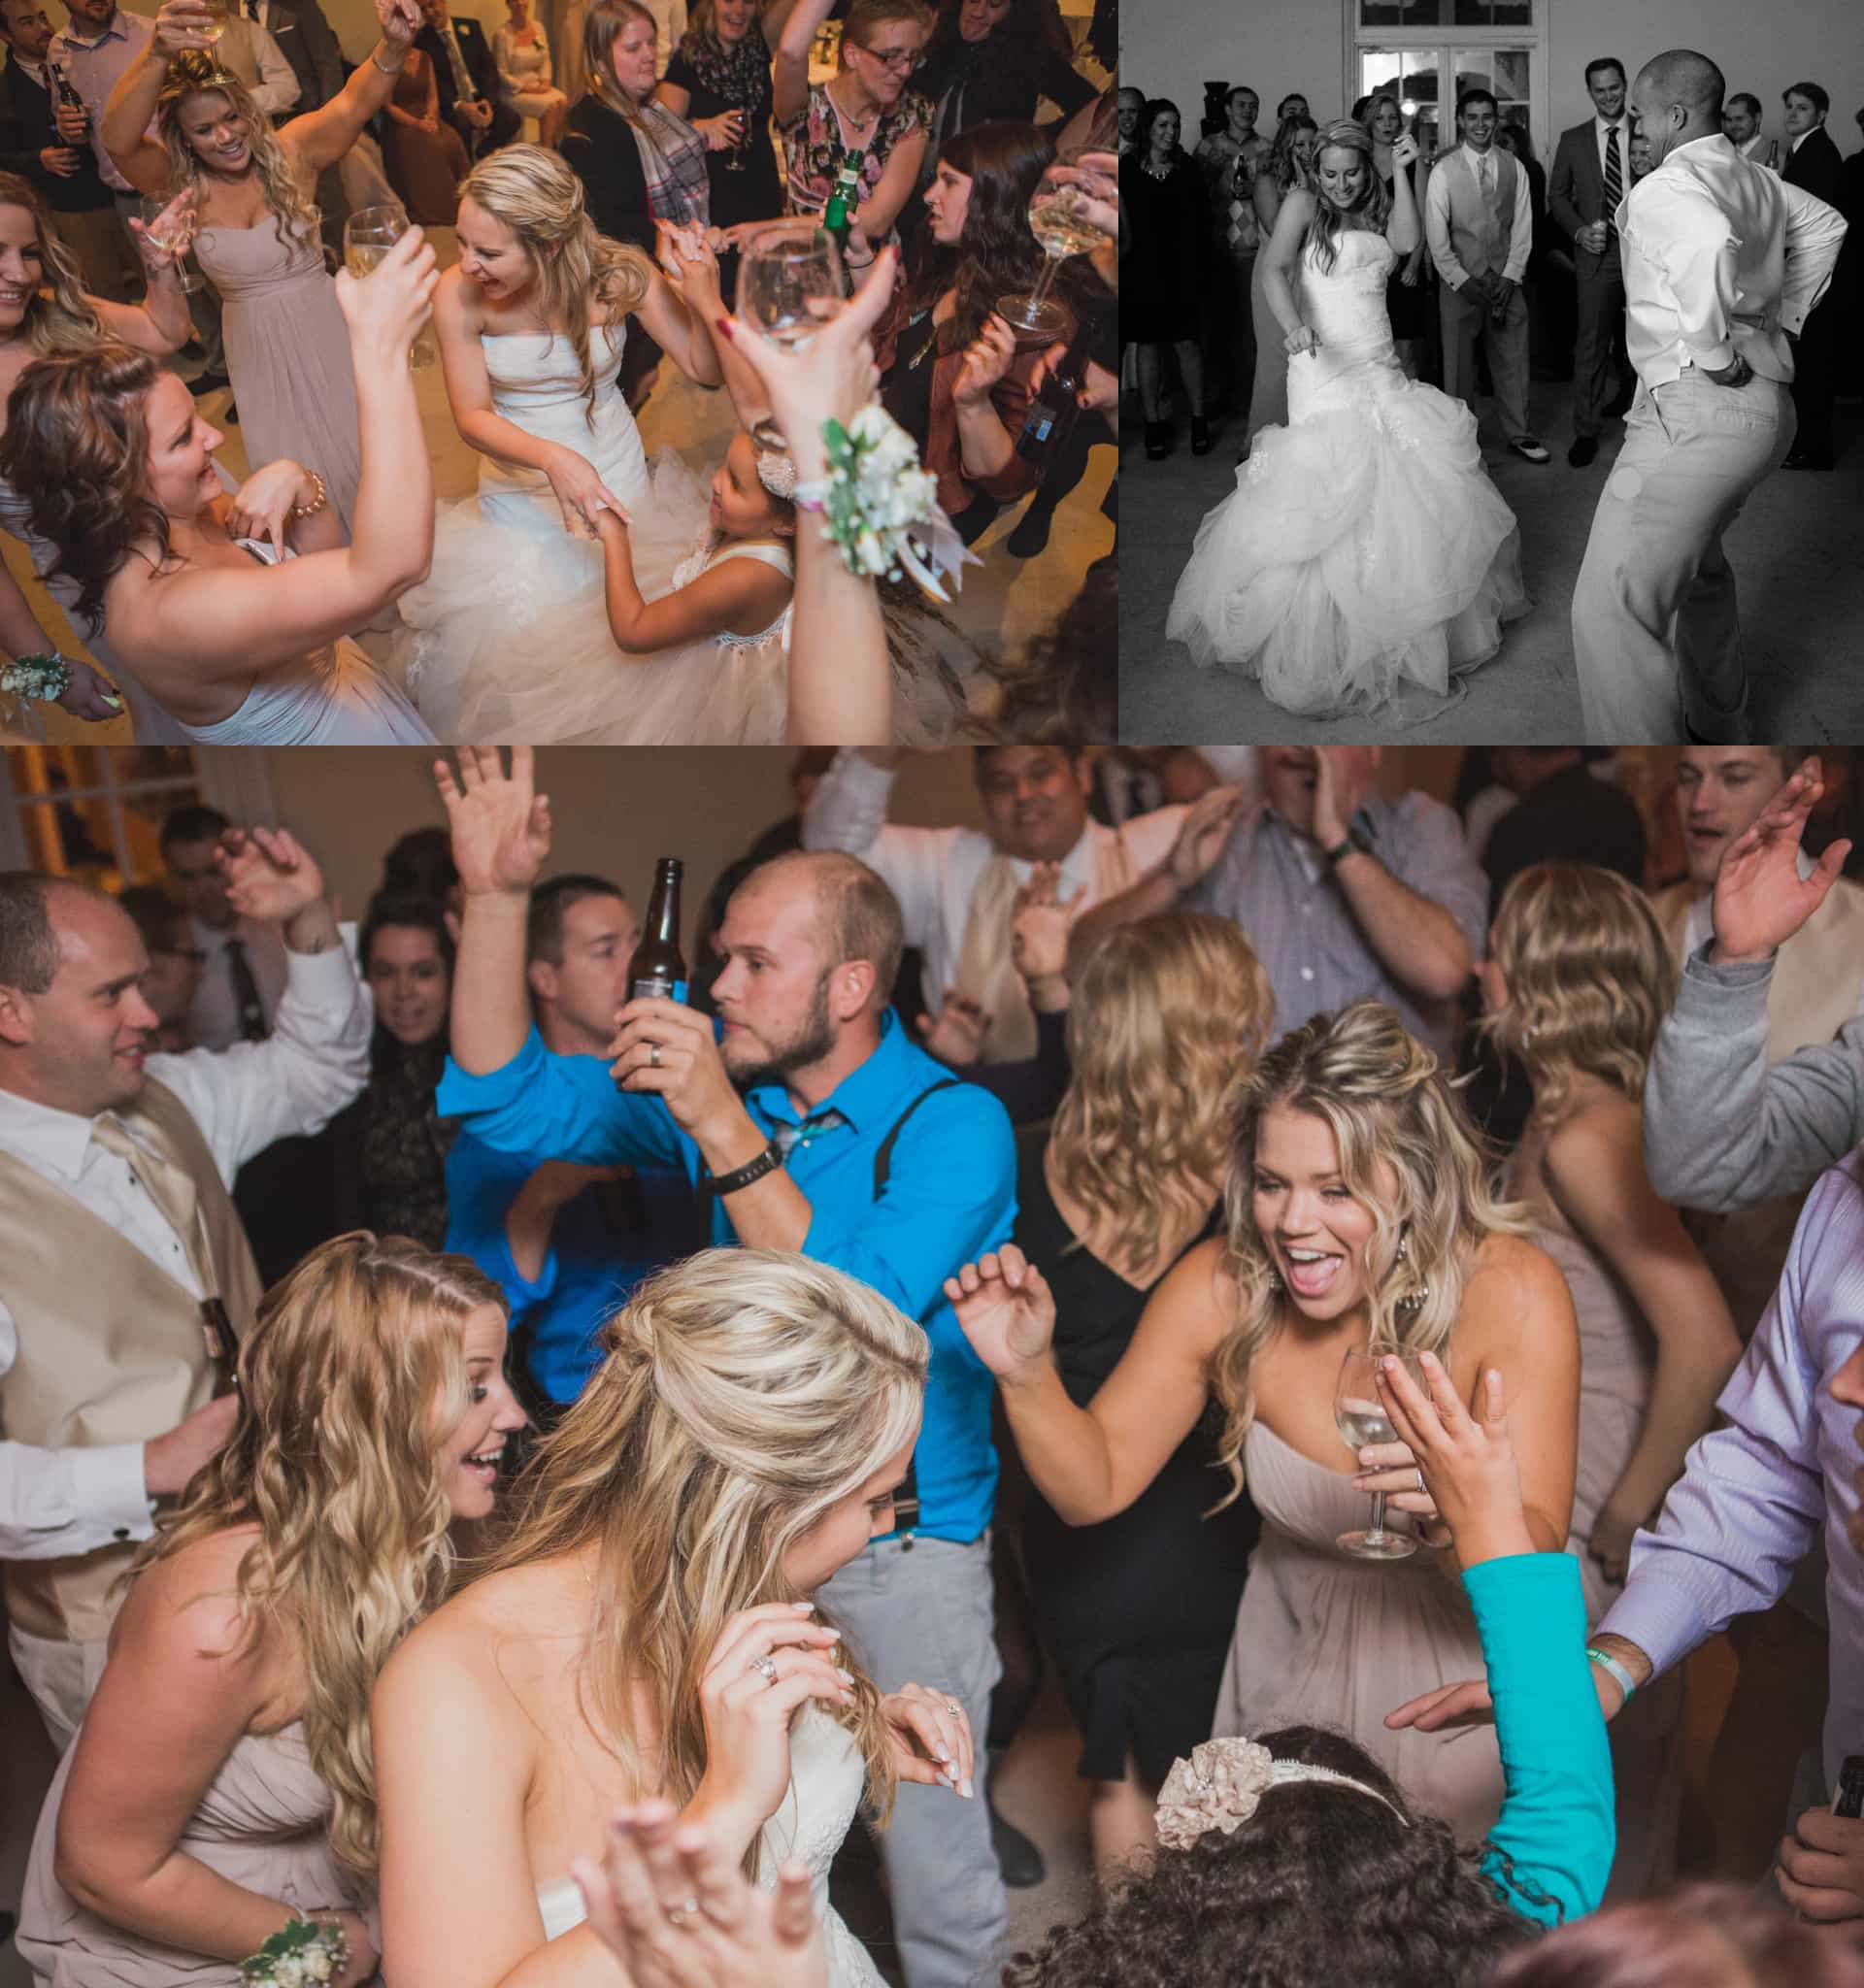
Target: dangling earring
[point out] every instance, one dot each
(1417, 1297)
(1276, 1286)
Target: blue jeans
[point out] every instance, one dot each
(923, 1614)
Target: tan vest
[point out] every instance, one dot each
(1481, 231)
(1813, 994)
(111, 1348)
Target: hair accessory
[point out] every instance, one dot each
(1222, 1783)
(880, 507)
(777, 474)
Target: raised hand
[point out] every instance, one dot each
(181, 24)
(176, 224)
(501, 827)
(400, 22)
(1404, 151)
(1203, 833)
(931, 1737)
(1039, 924)
(385, 308)
(1344, 775)
(1468, 1464)
(1006, 1311)
(955, 1034)
(270, 876)
(1760, 899)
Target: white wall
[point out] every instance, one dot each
(1171, 47)
(354, 20)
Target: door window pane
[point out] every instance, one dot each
(1411, 75)
(1493, 14)
(1403, 13)
(1507, 74)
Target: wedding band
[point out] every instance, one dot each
(653, 1055)
(685, 1912)
(765, 1668)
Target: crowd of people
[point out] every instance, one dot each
(512, 1446)
(163, 195)
(1350, 291)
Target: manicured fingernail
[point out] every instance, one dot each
(111, 698)
(833, 1634)
(942, 1754)
(964, 1789)
(725, 326)
(803, 1607)
(847, 1677)
(1365, 1457)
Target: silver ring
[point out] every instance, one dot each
(765, 1667)
(954, 1708)
(653, 1055)
(685, 1912)
(1421, 1491)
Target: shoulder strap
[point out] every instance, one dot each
(883, 1159)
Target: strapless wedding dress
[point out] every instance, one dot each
(826, 1785)
(1364, 558)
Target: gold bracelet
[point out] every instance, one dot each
(321, 501)
(384, 67)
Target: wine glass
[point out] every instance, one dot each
(1056, 220)
(368, 235)
(735, 152)
(216, 17)
(1361, 1415)
(175, 238)
(790, 281)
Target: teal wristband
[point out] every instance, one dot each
(1614, 1670)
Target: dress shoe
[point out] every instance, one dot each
(1158, 441)
(207, 382)
(1529, 449)
(1031, 534)
(1200, 436)
(1807, 459)
(1585, 449)
(1017, 1858)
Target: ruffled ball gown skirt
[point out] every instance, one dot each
(1364, 558)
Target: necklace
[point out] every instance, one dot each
(1153, 170)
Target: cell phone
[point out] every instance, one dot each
(1850, 1798)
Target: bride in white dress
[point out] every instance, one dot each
(1364, 557)
(233, 610)
(644, 1630)
(532, 325)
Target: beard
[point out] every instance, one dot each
(809, 1043)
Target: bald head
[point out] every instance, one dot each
(1676, 100)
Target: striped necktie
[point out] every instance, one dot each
(1614, 177)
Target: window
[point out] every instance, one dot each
(1476, 44)
(1416, 14)
(92, 812)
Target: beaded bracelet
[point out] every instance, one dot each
(318, 502)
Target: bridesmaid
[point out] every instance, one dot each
(1357, 1209)
(1404, 288)
(1576, 981)
(1290, 163)
(427, 157)
(286, 353)
(219, 1787)
(523, 53)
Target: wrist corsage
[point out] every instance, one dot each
(304, 1952)
(41, 680)
(880, 507)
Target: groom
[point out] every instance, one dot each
(1721, 260)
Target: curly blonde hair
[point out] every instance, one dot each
(194, 72)
(1383, 1096)
(336, 1457)
(744, 1393)
(1590, 980)
(61, 317)
(1166, 1020)
(538, 197)
(1329, 223)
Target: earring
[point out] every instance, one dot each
(1276, 1285)
(1419, 1296)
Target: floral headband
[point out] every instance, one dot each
(1222, 1784)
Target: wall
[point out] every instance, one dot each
(354, 20)
(1170, 47)
(614, 811)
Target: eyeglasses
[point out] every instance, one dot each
(904, 60)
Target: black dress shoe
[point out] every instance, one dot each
(1017, 1858)
(1585, 449)
(207, 382)
(1807, 459)
(1200, 436)
(1158, 441)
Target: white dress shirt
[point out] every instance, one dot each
(249, 51)
(1600, 129)
(1720, 257)
(1443, 250)
(59, 1502)
(933, 871)
(213, 1015)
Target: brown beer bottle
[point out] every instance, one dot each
(658, 967)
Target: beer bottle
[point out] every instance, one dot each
(1773, 156)
(1054, 412)
(658, 968)
(70, 100)
(844, 197)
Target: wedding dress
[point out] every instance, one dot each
(1364, 557)
(827, 1779)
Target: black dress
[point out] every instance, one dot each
(1161, 275)
(1138, 1613)
(716, 84)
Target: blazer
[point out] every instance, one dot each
(26, 129)
(1816, 166)
(307, 42)
(598, 146)
(480, 65)
(1575, 192)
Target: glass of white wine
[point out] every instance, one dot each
(216, 24)
(176, 237)
(368, 235)
(1359, 1414)
(790, 282)
(1056, 221)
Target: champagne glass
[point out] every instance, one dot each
(214, 25)
(176, 237)
(790, 282)
(1360, 1416)
(1056, 222)
(368, 235)
(735, 152)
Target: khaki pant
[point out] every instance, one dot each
(61, 1677)
(1465, 317)
(1655, 632)
(107, 258)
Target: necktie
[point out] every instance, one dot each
(463, 88)
(252, 10)
(245, 991)
(1613, 176)
(1481, 174)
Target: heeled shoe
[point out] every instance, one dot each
(1200, 436)
(1158, 441)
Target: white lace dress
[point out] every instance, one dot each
(1364, 558)
(825, 1784)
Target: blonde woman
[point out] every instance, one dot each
(221, 1784)
(1577, 982)
(286, 352)
(534, 321)
(522, 51)
(1164, 1026)
(646, 1629)
(1357, 1208)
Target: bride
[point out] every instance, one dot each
(532, 324)
(645, 1628)
(1364, 556)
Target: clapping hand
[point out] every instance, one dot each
(1040, 923)
(270, 876)
(955, 1034)
(1006, 1311)
(1760, 899)
(500, 826)
(1204, 832)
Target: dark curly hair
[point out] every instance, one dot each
(1066, 686)
(77, 449)
(1320, 1886)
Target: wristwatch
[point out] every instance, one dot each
(766, 1162)
(1355, 838)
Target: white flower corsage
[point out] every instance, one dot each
(41, 680)
(881, 508)
(305, 1953)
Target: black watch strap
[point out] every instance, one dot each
(766, 1162)
(1354, 839)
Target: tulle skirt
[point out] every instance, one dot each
(1363, 560)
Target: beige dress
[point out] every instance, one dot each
(261, 1824)
(1326, 1640)
(287, 354)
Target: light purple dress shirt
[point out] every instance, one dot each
(94, 69)
(1754, 1494)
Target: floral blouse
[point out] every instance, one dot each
(815, 146)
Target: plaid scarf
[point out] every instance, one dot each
(673, 160)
